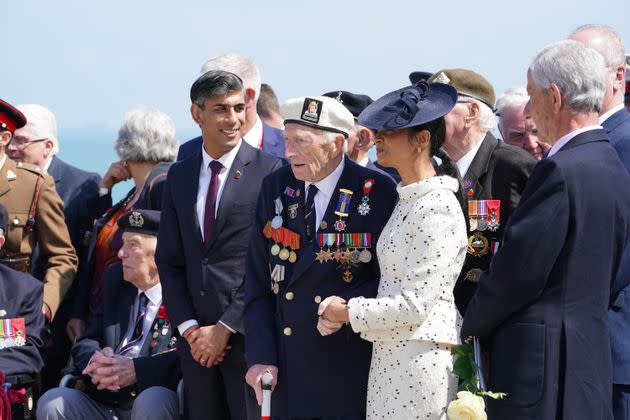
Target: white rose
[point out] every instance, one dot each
(467, 406)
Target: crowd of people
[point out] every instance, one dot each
(273, 243)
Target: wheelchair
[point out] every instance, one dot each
(31, 383)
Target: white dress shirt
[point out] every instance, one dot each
(363, 162)
(464, 162)
(568, 137)
(610, 112)
(205, 174)
(154, 295)
(325, 190)
(255, 135)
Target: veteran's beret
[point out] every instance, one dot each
(355, 103)
(10, 117)
(468, 83)
(140, 221)
(318, 112)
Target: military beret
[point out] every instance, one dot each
(410, 106)
(468, 83)
(354, 102)
(10, 117)
(318, 112)
(141, 221)
(419, 76)
(4, 218)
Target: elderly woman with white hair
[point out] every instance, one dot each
(146, 146)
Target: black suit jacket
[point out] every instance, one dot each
(203, 282)
(156, 367)
(542, 305)
(150, 198)
(22, 296)
(498, 171)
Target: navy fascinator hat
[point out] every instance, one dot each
(409, 107)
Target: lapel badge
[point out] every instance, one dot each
(164, 330)
(347, 276)
(3, 312)
(478, 245)
(11, 175)
(364, 207)
(289, 192)
(237, 175)
(155, 335)
(323, 225)
(473, 275)
(293, 208)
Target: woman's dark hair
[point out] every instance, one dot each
(437, 129)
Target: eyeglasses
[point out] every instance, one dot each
(21, 143)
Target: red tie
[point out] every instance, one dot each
(211, 200)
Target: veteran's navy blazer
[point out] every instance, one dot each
(542, 305)
(318, 376)
(273, 143)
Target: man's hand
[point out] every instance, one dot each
(117, 172)
(75, 328)
(254, 376)
(99, 359)
(118, 374)
(208, 344)
(47, 313)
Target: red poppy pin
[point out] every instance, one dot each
(162, 314)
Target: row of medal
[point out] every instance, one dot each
(12, 333)
(483, 215)
(286, 242)
(350, 249)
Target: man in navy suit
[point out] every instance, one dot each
(207, 214)
(315, 233)
(127, 352)
(542, 305)
(21, 298)
(615, 119)
(254, 131)
(78, 190)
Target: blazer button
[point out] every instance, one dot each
(204, 261)
(202, 293)
(318, 299)
(289, 296)
(287, 331)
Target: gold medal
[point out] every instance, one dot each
(478, 245)
(284, 254)
(292, 257)
(347, 276)
(275, 249)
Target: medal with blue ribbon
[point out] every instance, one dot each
(342, 208)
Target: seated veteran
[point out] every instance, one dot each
(21, 317)
(127, 350)
(316, 226)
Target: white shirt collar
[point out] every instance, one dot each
(154, 293)
(464, 162)
(254, 135)
(363, 162)
(568, 137)
(226, 160)
(47, 164)
(609, 113)
(328, 184)
(3, 160)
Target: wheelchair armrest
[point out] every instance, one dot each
(22, 379)
(69, 380)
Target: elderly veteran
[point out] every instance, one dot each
(146, 146)
(494, 173)
(316, 226)
(35, 218)
(20, 310)
(128, 349)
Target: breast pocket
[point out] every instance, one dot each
(15, 233)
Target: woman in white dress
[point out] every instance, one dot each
(413, 321)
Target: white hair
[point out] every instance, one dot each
(41, 124)
(486, 119)
(578, 71)
(512, 98)
(240, 65)
(332, 136)
(611, 48)
(147, 135)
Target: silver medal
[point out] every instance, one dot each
(482, 225)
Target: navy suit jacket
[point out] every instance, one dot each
(318, 376)
(618, 128)
(542, 305)
(156, 365)
(273, 144)
(202, 281)
(22, 296)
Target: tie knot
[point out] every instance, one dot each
(215, 166)
(312, 190)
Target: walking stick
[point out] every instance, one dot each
(267, 378)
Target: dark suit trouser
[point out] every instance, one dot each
(219, 392)
(621, 402)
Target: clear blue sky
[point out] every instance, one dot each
(91, 61)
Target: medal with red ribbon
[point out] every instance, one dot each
(364, 208)
(494, 214)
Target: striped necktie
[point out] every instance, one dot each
(136, 337)
(309, 216)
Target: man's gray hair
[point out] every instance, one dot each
(512, 98)
(41, 124)
(147, 135)
(578, 71)
(240, 65)
(611, 49)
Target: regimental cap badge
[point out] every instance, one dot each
(311, 110)
(441, 78)
(136, 220)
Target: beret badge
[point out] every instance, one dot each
(136, 220)
(311, 110)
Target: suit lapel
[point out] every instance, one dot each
(191, 177)
(54, 170)
(126, 313)
(479, 167)
(234, 184)
(585, 137)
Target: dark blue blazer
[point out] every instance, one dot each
(156, 366)
(273, 144)
(618, 128)
(318, 376)
(542, 305)
(202, 282)
(22, 296)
